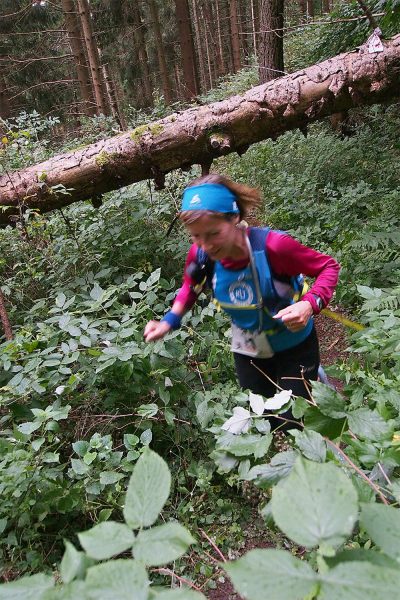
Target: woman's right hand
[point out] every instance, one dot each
(155, 330)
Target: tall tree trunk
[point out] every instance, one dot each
(4, 102)
(140, 44)
(255, 25)
(74, 30)
(303, 7)
(242, 28)
(99, 87)
(162, 64)
(211, 42)
(199, 44)
(5, 321)
(270, 52)
(310, 8)
(326, 8)
(235, 41)
(221, 66)
(187, 48)
(113, 96)
(349, 80)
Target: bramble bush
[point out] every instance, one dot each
(83, 396)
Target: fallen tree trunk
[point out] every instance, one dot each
(199, 134)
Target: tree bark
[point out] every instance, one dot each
(5, 109)
(162, 64)
(255, 25)
(235, 41)
(206, 18)
(270, 49)
(326, 7)
(220, 52)
(310, 8)
(199, 44)
(197, 135)
(78, 50)
(187, 49)
(140, 44)
(99, 87)
(5, 321)
(303, 7)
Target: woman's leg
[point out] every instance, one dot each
(255, 374)
(291, 369)
(297, 366)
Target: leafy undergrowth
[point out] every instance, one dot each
(83, 397)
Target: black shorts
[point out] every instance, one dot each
(290, 370)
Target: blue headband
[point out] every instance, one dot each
(209, 196)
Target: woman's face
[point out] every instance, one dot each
(218, 237)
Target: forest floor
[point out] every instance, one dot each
(333, 338)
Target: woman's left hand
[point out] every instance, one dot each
(295, 316)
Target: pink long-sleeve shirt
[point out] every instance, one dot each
(287, 257)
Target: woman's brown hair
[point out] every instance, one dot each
(247, 198)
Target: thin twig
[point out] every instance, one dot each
(333, 344)
(217, 550)
(382, 470)
(181, 579)
(358, 470)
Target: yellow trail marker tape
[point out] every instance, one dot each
(336, 317)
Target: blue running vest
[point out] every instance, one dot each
(234, 291)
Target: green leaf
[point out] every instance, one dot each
(73, 564)
(161, 545)
(368, 424)
(74, 331)
(63, 323)
(299, 407)
(382, 523)
(118, 580)
(148, 490)
(272, 574)
(280, 466)
(79, 467)
(80, 447)
(29, 427)
(96, 292)
(84, 340)
(130, 440)
(246, 445)
(147, 410)
(110, 477)
(359, 581)
(60, 300)
(315, 505)
(3, 525)
(146, 437)
(361, 555)
(89, 457)
(329, 401)
(204, 413)
(311, 444)
(106, 540)
(26, 588)
(326, 426)
(72, 591)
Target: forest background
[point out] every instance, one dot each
(82, 396)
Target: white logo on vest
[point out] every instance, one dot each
(240, 293)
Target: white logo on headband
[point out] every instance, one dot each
(196, 199)
(234, 206)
